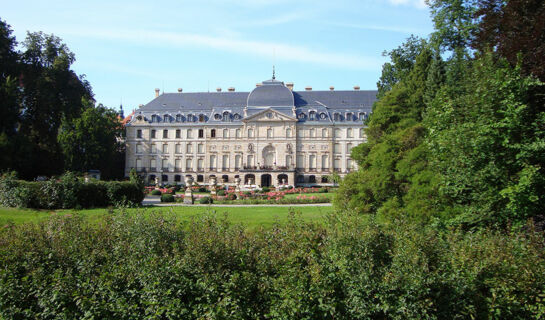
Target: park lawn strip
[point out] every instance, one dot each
(250, 217)
(319, 195)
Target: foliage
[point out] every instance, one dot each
(221, 192)
(206, 200)
(156, 193)
(167, 198)
(150, 266)
(67, 192)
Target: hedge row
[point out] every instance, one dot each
(146, 266)
(67, 192)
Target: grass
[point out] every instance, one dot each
(250, 217)
(320, 195)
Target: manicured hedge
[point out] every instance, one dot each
(148, 266)
(67, 192)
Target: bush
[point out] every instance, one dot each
(231, 196)
(142, 265)
(203, 189)
(323, 190)
(206, 200)
(167, 198)
(156, 193)
(265, 189)
(67, 192)
(221, 192)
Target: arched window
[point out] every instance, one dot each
(201, 133)
(213, 133)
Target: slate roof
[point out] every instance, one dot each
(221, 107)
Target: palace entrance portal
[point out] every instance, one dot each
(266, 180)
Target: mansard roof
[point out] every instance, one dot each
(271, 94)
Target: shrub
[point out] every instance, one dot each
(231, 196)
(206, 200)
(156, 193)
(221, 192)
(323, 190)
(203, 189)
(167, 198)
(265, 189)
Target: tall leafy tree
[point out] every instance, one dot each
(93, 141)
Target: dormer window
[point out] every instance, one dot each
(217, 116)
(179, 118)
(202, 118)
(166, 118)
(301, 116)
(361, 116)
(153, 118)
(323, 116)
(236, 116)
(190, 118)
(226, 116)
(312, 115)
(269, 115)
(336, 116)
(348, 116)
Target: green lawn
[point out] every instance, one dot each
(251, 217)
(320, 195)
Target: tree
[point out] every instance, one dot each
(93, 141)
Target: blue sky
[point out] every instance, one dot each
(126, 49)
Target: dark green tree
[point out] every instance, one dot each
(93, 141)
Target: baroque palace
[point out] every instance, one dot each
(270, 136)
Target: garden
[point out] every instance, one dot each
(229, 195)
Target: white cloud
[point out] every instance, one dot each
(280, 51)
(420, 4)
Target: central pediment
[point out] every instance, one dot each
(269, 115)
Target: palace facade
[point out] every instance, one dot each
(270, 136)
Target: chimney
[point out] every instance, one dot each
(156, 92)
(356, 88)
(180, 90)
(289, 85)
(218, 89)
(258, 85)
(331, 88)
(231, 89)
(308, 88)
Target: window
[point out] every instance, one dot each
(200, 164)
(300, 133)
(139, 134)
(337, 163)
(200, 178)
(138, 148)
(164, 178)
(213, 133)
(153, 148)
(269, 115)
(178, 118)
(361, 116)
(217, 116)
(190, 118)
(237, 133)
(337, 133)
(325, 162)
(153, 164)
(324, 179)
(213, 162)
(138, 164)
(189, 148)
(153, 118)
(225, 162)
(311, 179)
(312, 162)
(166, 118)
(237, 116)
(349, 164)
(250, 133)
(178, 164)
(301, 116)
(288, 132)
(177, 178)
(189, 134)
(165, 148)
(336, 117)
(226, 116)
(202, 118)
(349, 116)
(269, 133)
(200, 148)
(349, 133)
(324, 133)
(348, 148)
(337, 148)
(201, 133)
(312, 133)
(165, 134)
(225, 178)
(250, 160)
(312, 115)
(165, 164)
(188, 164)
(153, 134)
(226, 133)
(300, 161)
(300, 179)
(238, 160)
(178, 148)
(178, 134)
